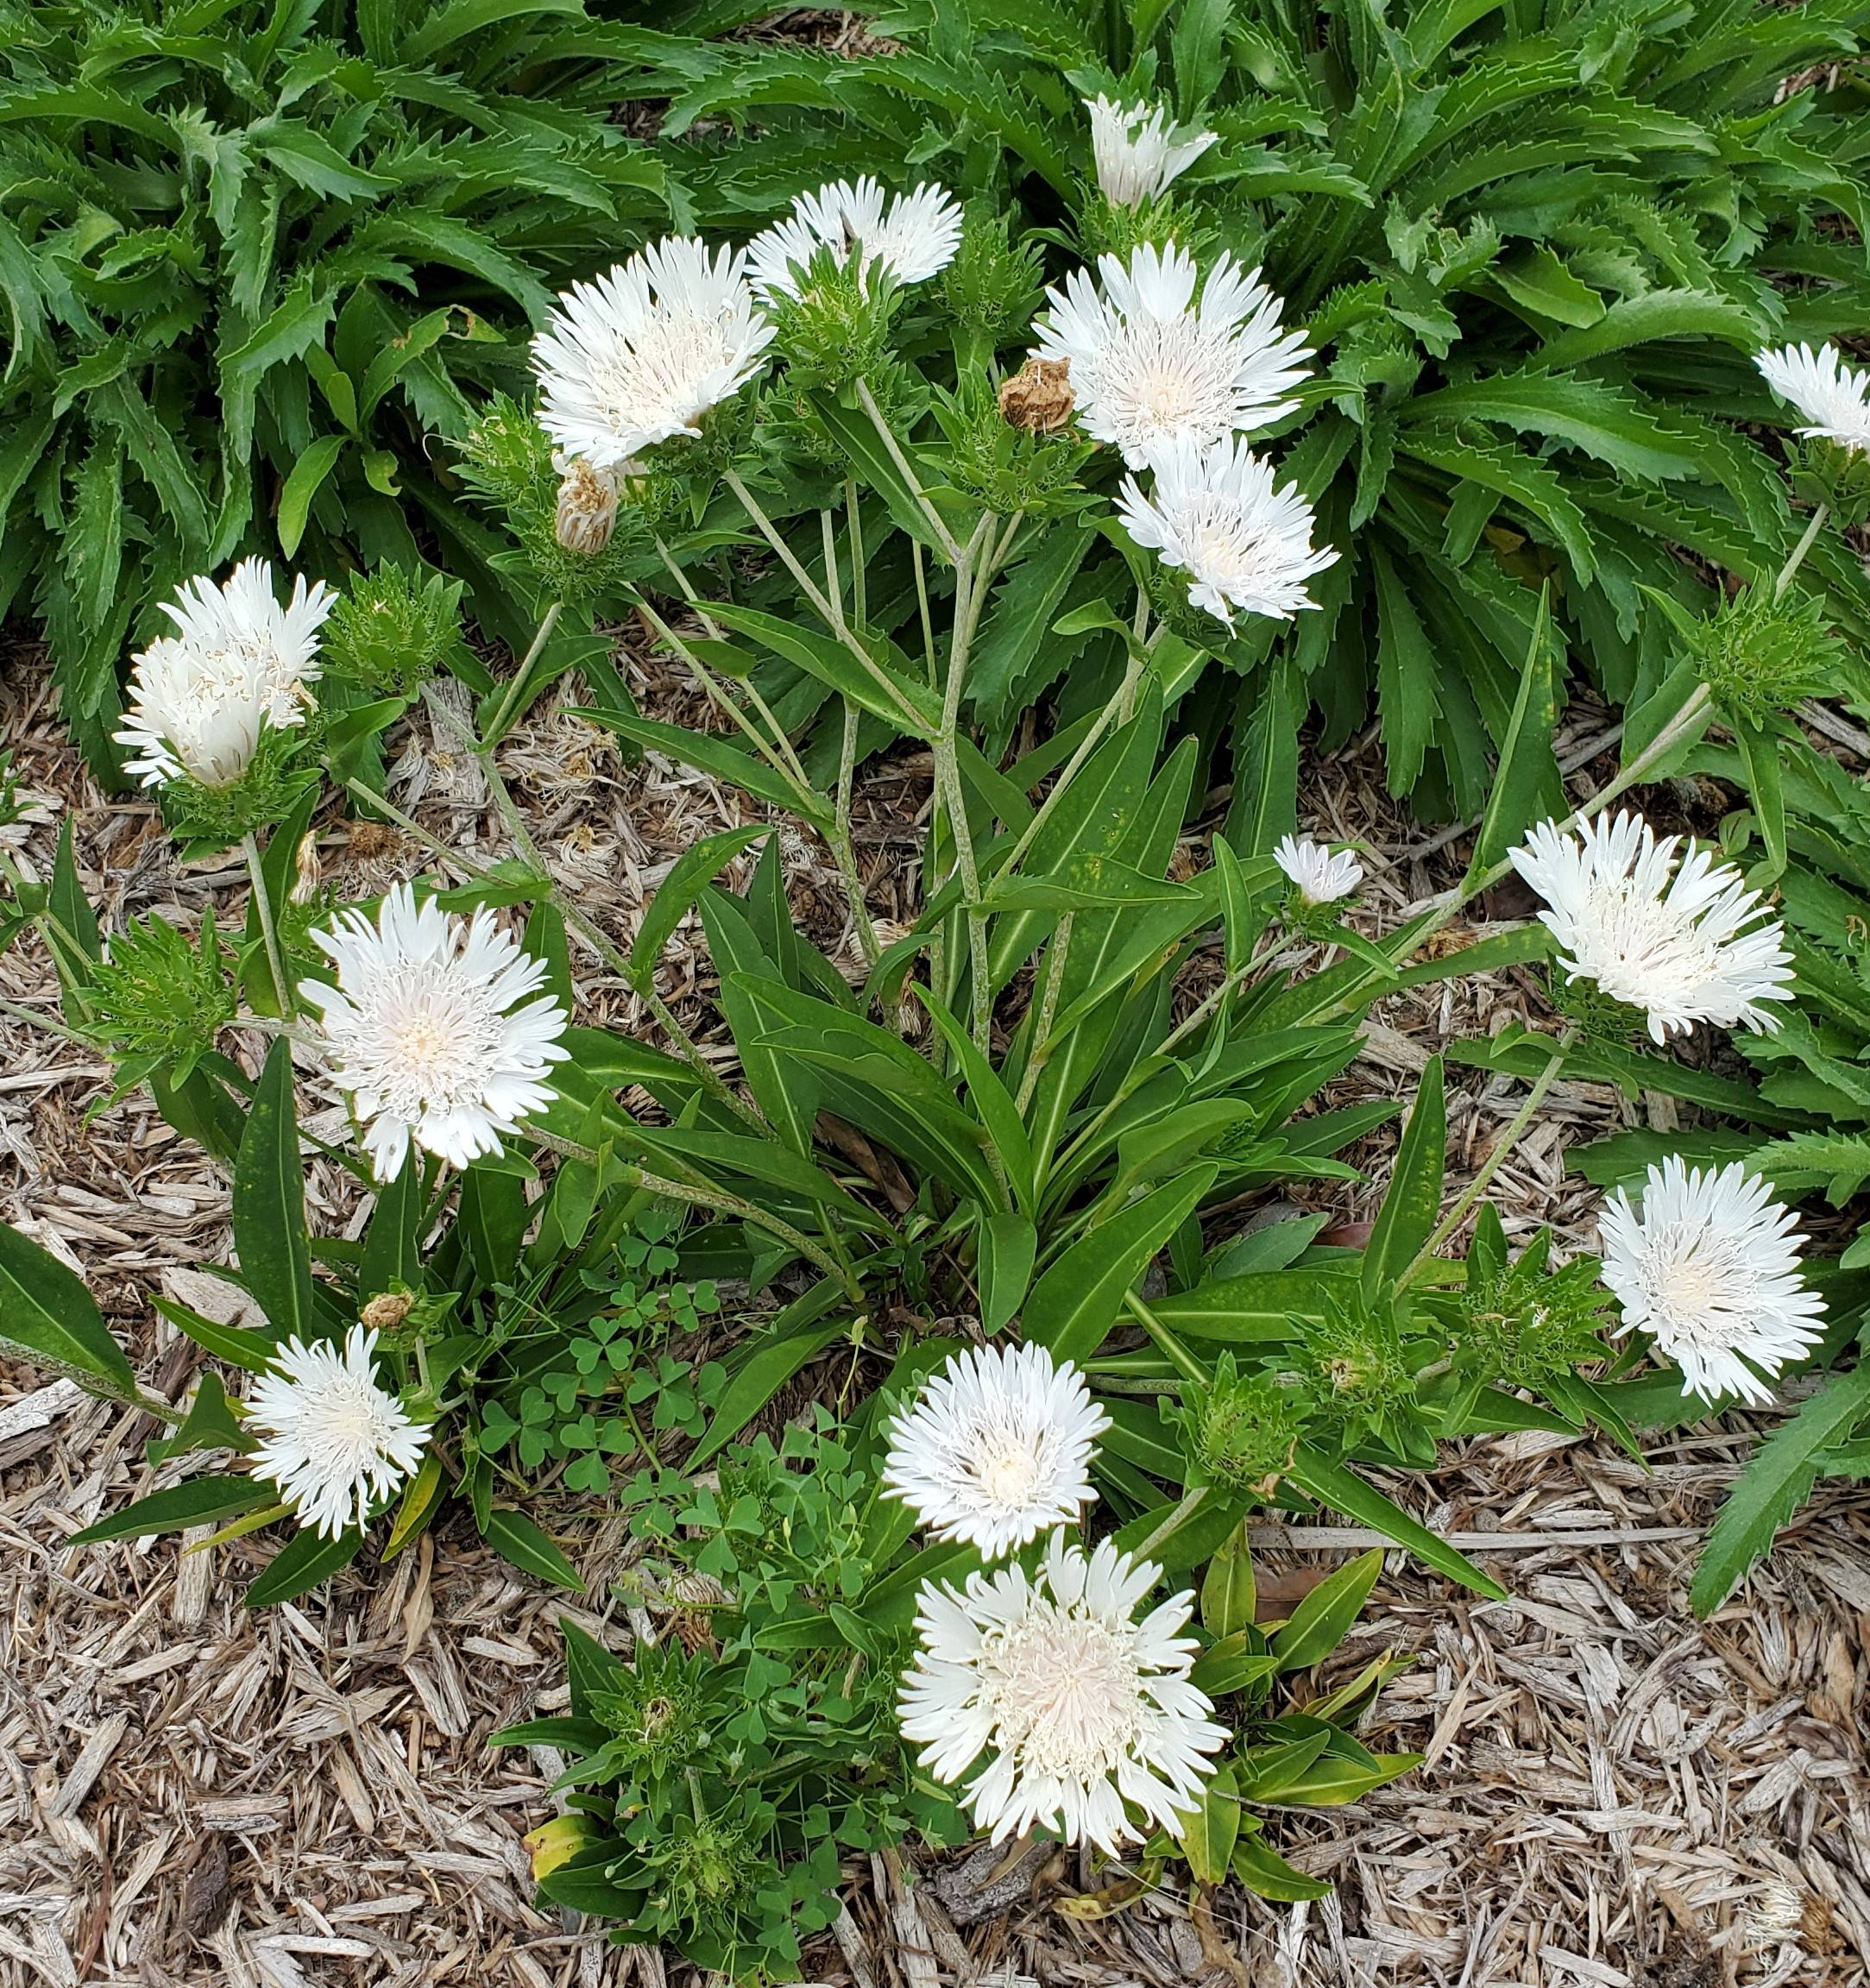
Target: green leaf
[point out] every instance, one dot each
(518, 1540)
(1078, 1298)
(1769, 1490)
(47, 1317)
(1761, 748)
(308, 473)
(1209, 1834)
(1004, 1131)
(1323, 1620)
(269, 1203)
(720, 758)
(1527, 785)
(1008, 1244)
(880, 682)
(1331, 1484)
(696, 868)
(392, 1244)
(1408, 1216)
(1268, 1875)
(769, 1359)
(307, 1558)
(1228, 1594)
(1261, 1307)
(195, 1502)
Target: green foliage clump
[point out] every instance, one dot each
(1239, 1431)
(391, 630)
(256, 259)
(158, 1001)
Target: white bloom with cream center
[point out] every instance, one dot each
(238, 661)
(1833, 397)
(913, 240)
(332, 1440)
(1709, 1271)
(1319, 876)
(997, 1448)
(1138, 152)
(1086, 1716)
(642, 354)
(1684, 943)
(1149, 365)
(436, 1028)
(1215, 515)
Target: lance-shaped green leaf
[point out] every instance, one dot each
(1331, 1484)
(1769, 1490)
(1408, 1216)
(869, 669)
(306, 1559)
(1078, 1300)
(694, 868)
(1526, 786)
(47, 1316)
(269, 1203)
(196, 1502)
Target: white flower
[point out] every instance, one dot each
(997, 1448)
(424, 1033)
(1833, 397)
(334, 1441)
(1321, 876)
(1696, 946)
(237, 661)
(1709, 1271)
(1149, 365)
(642, 354)
(1215, 514)
(1138, 151)
(916, 239)
(1085, 1714)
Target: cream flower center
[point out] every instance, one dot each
(1064, 1691)
(1009, 1476)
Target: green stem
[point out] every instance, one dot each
(262, 904)
(505, 715)
(922, 604)
(1451, 1223)
(688, 591)
(1081, 752)
(1800, 549)
(1054, 976)
(1178, 1356)
(50, 1023)
(777, 752)
(937, 523)
(971, 585)
(831, 615)
(1192, 1499)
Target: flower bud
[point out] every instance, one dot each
(386, 1311)
(305, 888)
(587, 504)
(1038, 398)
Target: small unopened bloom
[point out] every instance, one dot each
(587, 512)
(642, 354)
(306, 870)
(913, 240)
(1683, 943)
(436, 1028)
(238, 661)
(997, 1448)
(1083, 1720)
(1149, 366)
(332, 1440)
(386, 1311)
(1038, 398)
(1833, 397)
(1139, 152)
(1710, 1270)
(1319, 876)
(1217, 515)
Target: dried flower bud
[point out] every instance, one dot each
(386, 1311)
(1038, 398)
(696, 1597)
(587, 504)
(305, 889)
